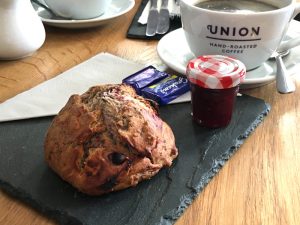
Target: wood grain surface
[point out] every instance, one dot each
(259, 185)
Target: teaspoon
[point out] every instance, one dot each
(284, 83)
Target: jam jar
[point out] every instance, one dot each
(214, 81)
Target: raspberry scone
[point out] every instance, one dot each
(108, 139)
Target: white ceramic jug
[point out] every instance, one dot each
(21, 30)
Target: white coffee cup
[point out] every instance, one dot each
(78, 9)
(249, 37)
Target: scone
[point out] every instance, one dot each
(108, 139)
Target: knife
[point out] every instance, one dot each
(164, 18)
(152, 19)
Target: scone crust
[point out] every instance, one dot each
(108, 139)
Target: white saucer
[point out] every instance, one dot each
(175, 53)
(117, 8)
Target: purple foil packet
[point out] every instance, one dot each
(167, 89)
(144, 78)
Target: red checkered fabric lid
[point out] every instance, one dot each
(216, 71)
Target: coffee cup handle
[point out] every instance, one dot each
(297, 10)
(286, 45)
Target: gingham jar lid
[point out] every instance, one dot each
(216, 71)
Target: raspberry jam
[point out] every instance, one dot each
(212, 107)
(214, 81)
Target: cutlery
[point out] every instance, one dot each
(176, 10)
(163, 18)
(152, 19)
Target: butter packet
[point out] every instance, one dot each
(144, 78)
(167, 89)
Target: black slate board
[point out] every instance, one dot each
(161, 200)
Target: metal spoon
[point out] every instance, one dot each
(284, 83)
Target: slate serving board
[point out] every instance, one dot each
(161, 200)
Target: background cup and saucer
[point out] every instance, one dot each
(114, 9)
(78, 9)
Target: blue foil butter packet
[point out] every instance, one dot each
(167, 90)
(144, 78)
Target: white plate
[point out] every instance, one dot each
(175, 53)
(117, 8)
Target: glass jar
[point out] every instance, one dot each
(214, 81)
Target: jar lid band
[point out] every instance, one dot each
(216, 71)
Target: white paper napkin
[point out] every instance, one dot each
(49, 97)
(173, 10)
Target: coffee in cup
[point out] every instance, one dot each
(248, 30)
(78, 9)
(236, 6)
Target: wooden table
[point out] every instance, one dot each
(260, 184)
